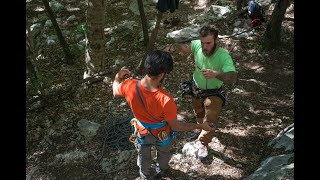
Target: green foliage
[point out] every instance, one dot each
(289, 175)
(32, 87)
(81, 28)
(221, 2)
(66, 103)
(124, 29)
(272, 178)
(260, 46)
(76, 49)
(286, 39)
(257, 45)
(28, 56)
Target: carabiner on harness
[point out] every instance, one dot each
(133, 136)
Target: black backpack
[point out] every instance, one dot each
(255, 11)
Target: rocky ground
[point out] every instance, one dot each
(259, 105)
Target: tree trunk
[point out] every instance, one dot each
(30, 61)
(95, 40)
(273, 31)
(143, 22)
(30, 67)
(151, 42)
(64, 45)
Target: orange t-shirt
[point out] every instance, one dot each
(160, 104)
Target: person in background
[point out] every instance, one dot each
(155, 112)
(256, 13)
(214, 67)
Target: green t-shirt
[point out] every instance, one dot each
(219, 61)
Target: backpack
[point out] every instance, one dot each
(255, 11)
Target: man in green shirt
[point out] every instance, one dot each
(213, 68)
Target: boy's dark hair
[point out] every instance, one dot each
(207, 30)
(158, 62)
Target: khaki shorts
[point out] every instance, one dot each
(207, 110)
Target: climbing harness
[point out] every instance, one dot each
(161, 130)
(189, 88)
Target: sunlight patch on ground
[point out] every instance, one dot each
(36, 154)
(237, 131)
(260, 70)
(185, 2)
(233, 152)
(268, 127)
(39, 9)
(252, 65)
(183, 115)
(180, 117)
(194, 167)
(278, 102)
(219, 167)
(256, 81)
(240, 91)
(287, 72)
(201, 4)
(252, 51)
(108, 30)
(216, 145)
(71, 9)
(259, 112)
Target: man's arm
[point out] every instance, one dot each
(182, 126)
(117, 80)
(178, 48)
(225, 77)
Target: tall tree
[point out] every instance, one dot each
(273, 31)
(151, 42)
(31, 60)
(95, 40)
(143, 22)
(63, 43)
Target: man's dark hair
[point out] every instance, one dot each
(158, 62)
(207, 30)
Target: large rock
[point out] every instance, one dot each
(275, 167)
(87, 128)
(280, 166)
(185, 34)
(285, 139)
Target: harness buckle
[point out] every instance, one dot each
(162, 135)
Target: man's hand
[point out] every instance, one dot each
(178, 48)
(206, 126)
(209, 73)
(123, 73)
(170, 49)
(225, 77)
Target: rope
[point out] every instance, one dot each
(115, 136)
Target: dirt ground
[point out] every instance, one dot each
(259, 105)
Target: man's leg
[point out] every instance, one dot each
(197, 105)
(163, 158)
(212, 107)
(144, 159)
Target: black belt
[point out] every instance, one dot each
(189, 88)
